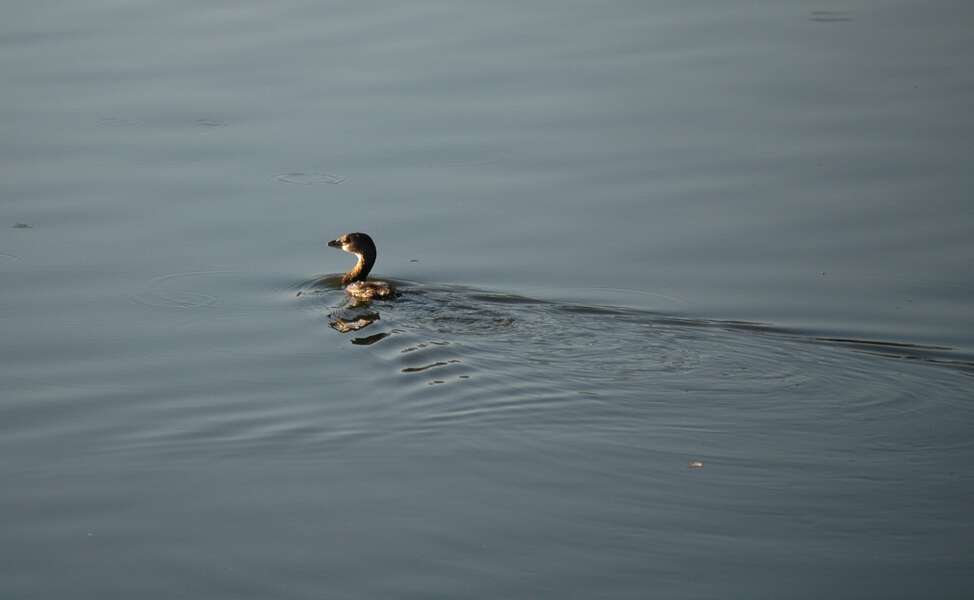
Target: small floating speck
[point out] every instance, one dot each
(311, 178)
(21, 226)
(695, 464)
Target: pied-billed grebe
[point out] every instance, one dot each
(362, 246)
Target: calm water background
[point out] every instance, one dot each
(631, 235)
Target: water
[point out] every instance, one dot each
(631, 239)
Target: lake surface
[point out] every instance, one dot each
(685, 311)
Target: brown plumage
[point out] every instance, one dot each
(362, 246)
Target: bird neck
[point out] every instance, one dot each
(361, 269)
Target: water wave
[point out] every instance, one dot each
(455, 361)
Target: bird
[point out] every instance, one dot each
(356, 286)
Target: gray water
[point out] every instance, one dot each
(685, 302)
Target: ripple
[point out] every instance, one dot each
(428, 367)
(371, 339)
(623, 296)
(437, 156)
(499, 370)
(939, 355)
(120, 122)
(472, 157)
(461, 359)
(299, 178)
(830, 16)
(210, 123)
(159, 294)
(223, 290)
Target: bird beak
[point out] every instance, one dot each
(335, 244)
